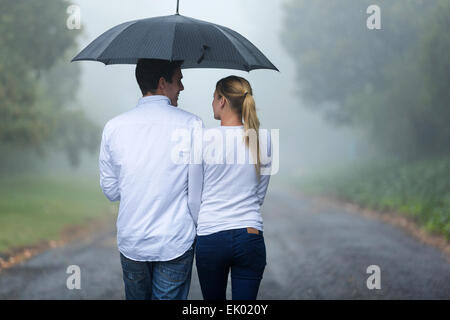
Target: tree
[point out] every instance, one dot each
(34, 75)
(390, 82)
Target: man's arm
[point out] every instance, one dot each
(109, 181)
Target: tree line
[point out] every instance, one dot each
(38, 84)
(392, 84)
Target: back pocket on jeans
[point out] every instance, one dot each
(134, 276)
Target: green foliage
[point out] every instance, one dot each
(34, 209)
(74, 133)
(392, 83)
(420, 189)
(37, 82)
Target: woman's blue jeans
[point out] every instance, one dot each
(242, 252)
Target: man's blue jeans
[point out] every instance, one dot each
(158, 280)
(242, 252)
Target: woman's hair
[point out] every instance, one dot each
(239, 95)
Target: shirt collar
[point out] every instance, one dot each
(154, 98)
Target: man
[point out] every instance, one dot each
(156, 225)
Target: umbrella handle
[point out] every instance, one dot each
(204, 48)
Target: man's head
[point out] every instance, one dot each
(160, 77)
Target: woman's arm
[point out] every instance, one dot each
(195, 187)
(195, 174)
(266, 165)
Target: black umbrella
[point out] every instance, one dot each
(198, 43)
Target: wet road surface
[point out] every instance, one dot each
(315, 250)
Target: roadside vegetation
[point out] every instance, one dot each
(34, 209)
(419, 190)
(392, 87)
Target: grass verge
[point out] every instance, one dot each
(419, 190)
(34, 209)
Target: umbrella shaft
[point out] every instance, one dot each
(178, 5)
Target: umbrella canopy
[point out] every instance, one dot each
(198, 43)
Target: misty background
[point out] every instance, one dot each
(362, 112)
(307, 141)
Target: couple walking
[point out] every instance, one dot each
(170, 210)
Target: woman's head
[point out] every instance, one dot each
(234, 94)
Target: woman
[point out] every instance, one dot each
(230, 226)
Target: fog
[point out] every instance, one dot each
(307, 142)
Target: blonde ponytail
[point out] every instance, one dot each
(251, 122)
(239, 94)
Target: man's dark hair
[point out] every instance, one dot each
(149, 71)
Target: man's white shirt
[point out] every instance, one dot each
(155, 222)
